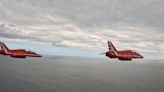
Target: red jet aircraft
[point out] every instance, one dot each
(121, 55)
(17, 53)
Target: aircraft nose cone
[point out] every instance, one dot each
(39, 55)
(141, 56)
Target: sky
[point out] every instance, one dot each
(82, 27)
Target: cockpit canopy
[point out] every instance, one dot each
(30, 51)
(134, 52)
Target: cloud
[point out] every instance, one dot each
(85, 24)
(60, 35)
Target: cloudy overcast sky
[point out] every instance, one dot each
(85, 24)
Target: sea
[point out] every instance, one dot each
(80, 74)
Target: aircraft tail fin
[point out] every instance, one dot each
(112, 48)
(4, 47)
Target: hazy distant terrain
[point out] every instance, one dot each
(75, 74)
